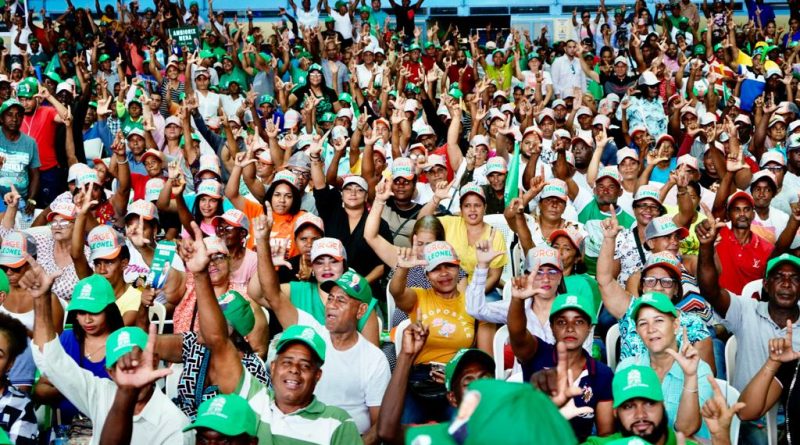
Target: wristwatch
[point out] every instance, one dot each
(31, 202)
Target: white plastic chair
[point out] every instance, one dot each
(731, 397)
(398, 335)
(611, 346)
(266, 313)
(499, 223)
(753, 289)
(390, 306)
(171, 384)
(158, 315)
(498, 347)
(507, 291)
(772, 425)
(730, 357)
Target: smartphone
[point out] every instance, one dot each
(437, 367)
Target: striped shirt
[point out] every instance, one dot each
(317, 423)
(17, 417)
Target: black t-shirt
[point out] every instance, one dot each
(613, 84)
(405, 18)
(790, 395)
(360, 256)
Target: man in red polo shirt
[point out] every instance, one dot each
(40, 123)
(741, 253)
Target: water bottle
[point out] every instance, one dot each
(61, 435)
(24, 220)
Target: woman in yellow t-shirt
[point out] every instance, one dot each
(463, 232)
(443, 310)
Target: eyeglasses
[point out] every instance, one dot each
(666, 282)
(548, 272)
(775, 168)
(402, 181)
(226, 229)
(63, 224)
(648, 207)
(12, 269)
(302, 174)
(219, 257)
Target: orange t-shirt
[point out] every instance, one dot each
(283, 227)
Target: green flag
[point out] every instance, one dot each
(512, 177)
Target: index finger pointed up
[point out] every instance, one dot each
(563, 359)
(198, 234)
(789, 329)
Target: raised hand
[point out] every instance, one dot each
(610, 225)
(12, 198)
(261, 229)
(780, 349)
(716, 412)
(522, 287)
(558, 384)
(135, 233)
(340, 144)
(383, 191)
(442, 191)
(407, 258)
(485, 253)
(414, 338)
(36, 280)
(137, 369)
(194, 254)
(84, 200)
(688, 358)
(707, 229)
(288, 142)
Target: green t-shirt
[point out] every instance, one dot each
(671, 439)
(316, 423)
(502, 74)
(237, 75)
(305, 296)
(20, 156)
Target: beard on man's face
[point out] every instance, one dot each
(658, 431)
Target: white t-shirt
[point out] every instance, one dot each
(775, 222)
(308, 19)
(23, 39)
(365, 74)
(231, 105)
(207, 105)
(343, 24)
(353, 380)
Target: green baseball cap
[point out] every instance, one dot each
(699, 49)
(195, 137)
(103, 58)
(455, 92)
(303, 334)
(413, 47)
(205, 54)
(784, 258)
(657, 301)
(499, 408)
(122, 341)
(345, 97)
(352, 284)
(227, 414)
(237, 311)
(581, 303)
(10, 103)
(28, 87)
(92, 294)
(339, 4)
(463, 356)
(636, 382)
(4, 286)
(265, 99)
(327, 117)
(52, 75)
(314, 67)
(4, 440)
(328, 19)
(364, 9)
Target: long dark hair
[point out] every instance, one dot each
(198, 217)
(16, 333)
(296, 198)
(113, 322)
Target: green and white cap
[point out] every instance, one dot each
(581, 303)
(237, 312)
(122, 341)
(227, 414)
(464, 356)
(784, 258)
(353, 284)
(655, 300)
(303, 334)
(636, 382)
(92, 294)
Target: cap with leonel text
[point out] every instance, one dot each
(543, 256)
(471, 188)
(122, 341)
(664, 259)
(14, 247)
(663, 226)
(655, 300)
(65, 209)
(92, 294)
(232, 217)
(237, 312)
(146, 209)
(783, 259)
(309, 218)
(209, 187)
(555, 188)
(581, 303)
(439, 252)
(152, 189)
(463, 357)
(287, 177)
(302, 334)
(105, 243)
(328, 246)
(403, 168)
(87, 176)
(352, 284)
(227, 414)
(636, 382)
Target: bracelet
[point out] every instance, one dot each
(120, 162)
(690, 390)
(774, 370)
(315, 158)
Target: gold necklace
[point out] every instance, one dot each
(88, 356)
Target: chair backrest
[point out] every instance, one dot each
(730, 357)
(731, 397)
(498, 348)
(499, 223)
(266, 313)
(390, 307)
(772, 425)
(611, 346)
(171, 385)
(158, 315)
(753, 289)
(398, 335)
(507, 291)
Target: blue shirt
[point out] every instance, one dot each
(672, 386)
(594, 381)
(71, 346)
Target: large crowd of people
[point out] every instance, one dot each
(343, 227)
